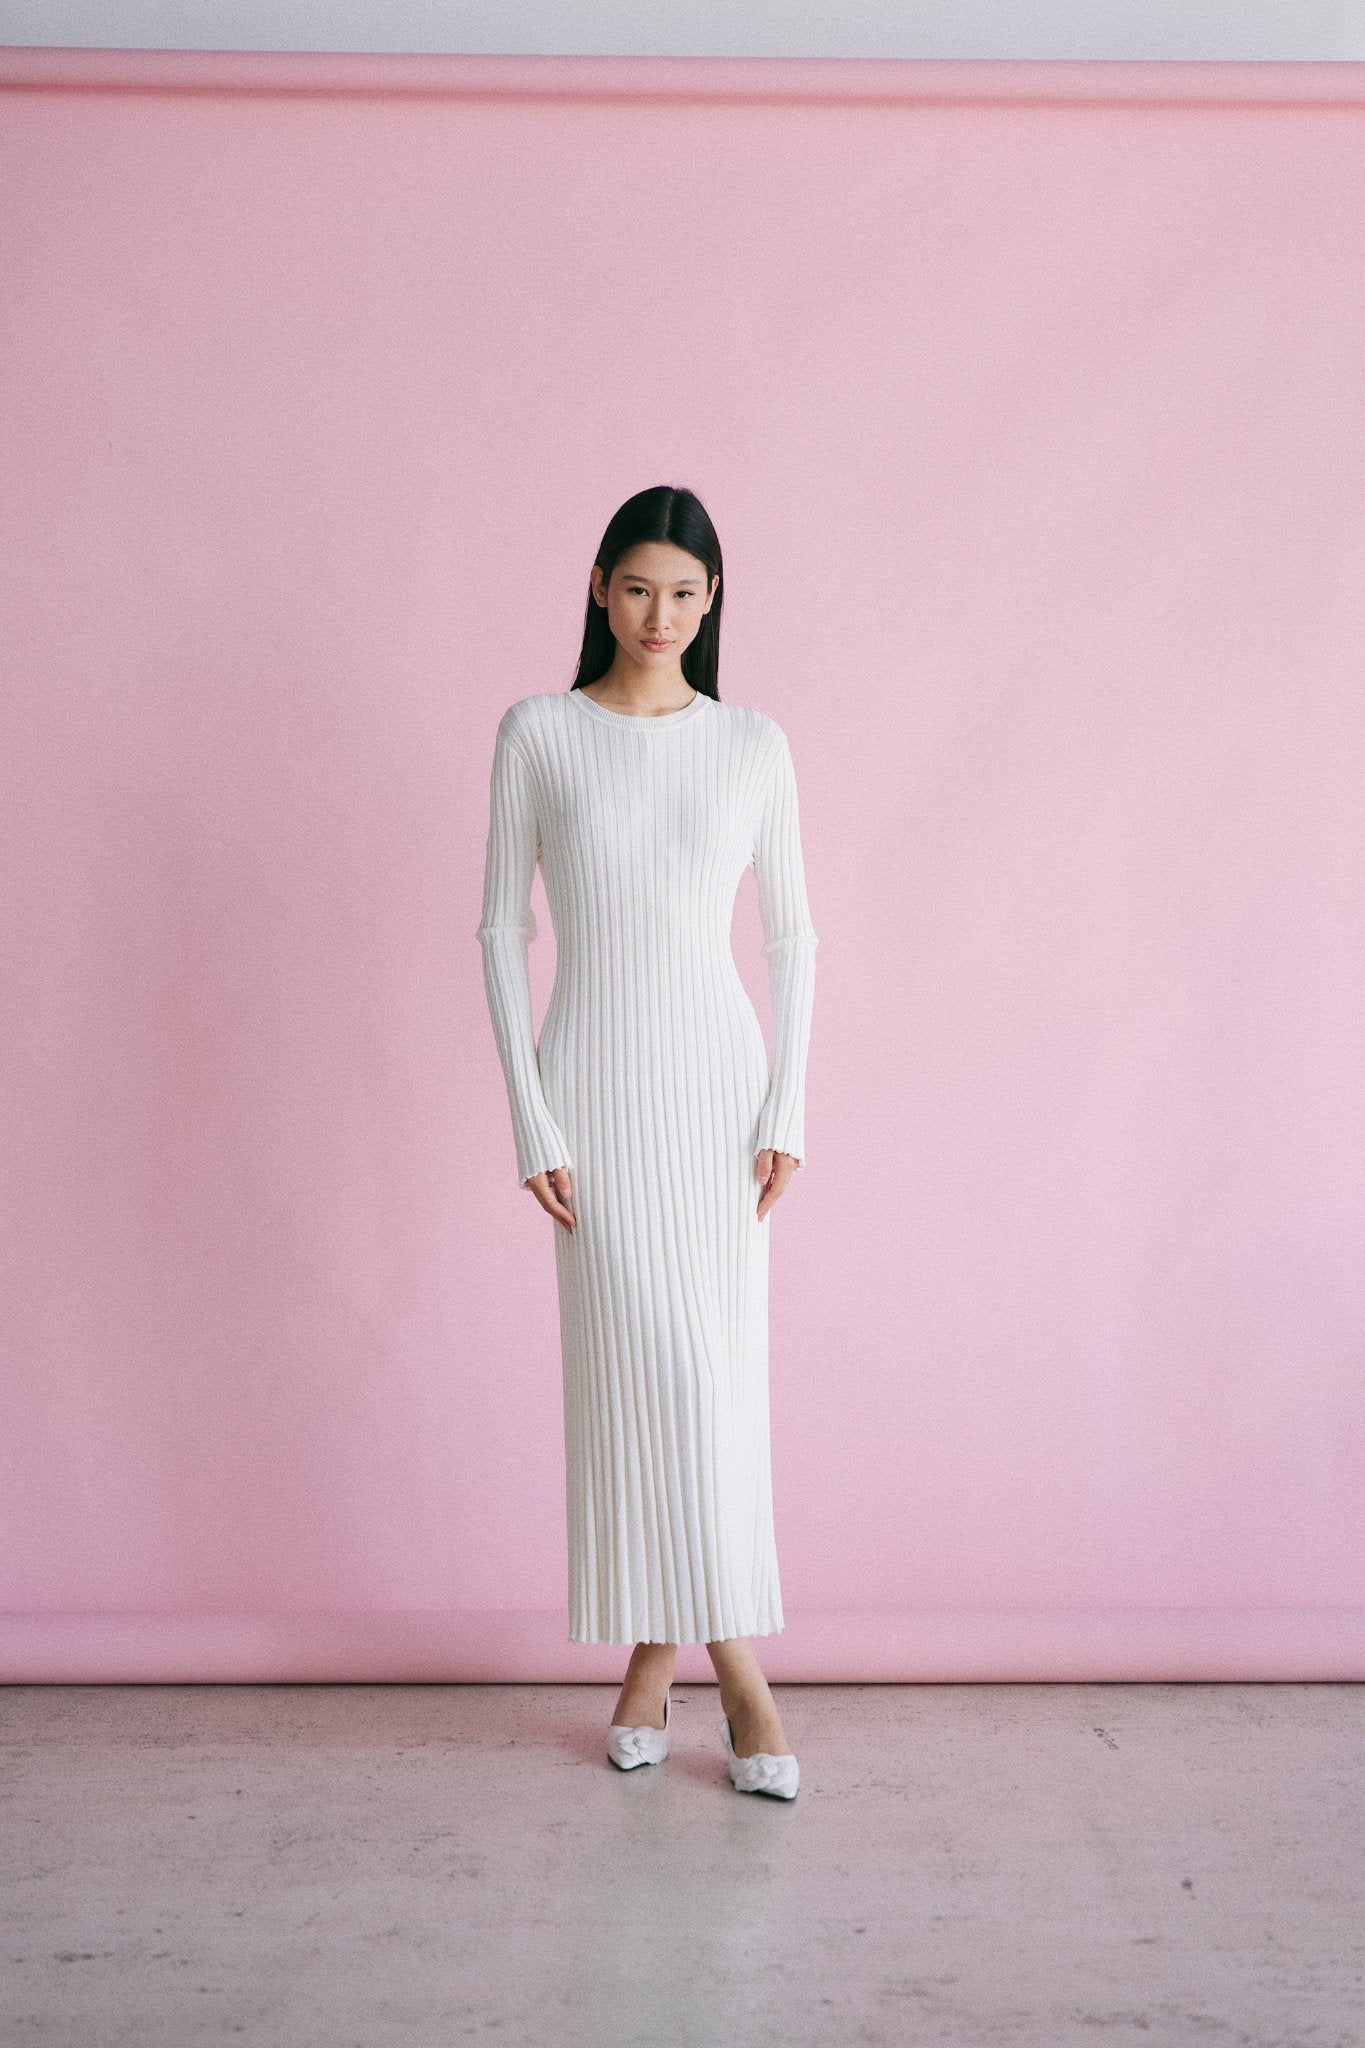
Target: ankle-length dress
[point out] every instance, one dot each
(652, 1083)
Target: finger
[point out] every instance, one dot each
(782, 1167)
(542, 1186)
(561, 1185)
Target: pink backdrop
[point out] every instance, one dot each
(1027, 400)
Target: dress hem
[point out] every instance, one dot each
(628, 1642)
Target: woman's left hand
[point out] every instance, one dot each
(773, 1170)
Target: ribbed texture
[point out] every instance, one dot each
(652, 1082)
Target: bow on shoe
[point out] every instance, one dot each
(634, 1742)
(759, 1773)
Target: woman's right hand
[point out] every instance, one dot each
(553, 1189)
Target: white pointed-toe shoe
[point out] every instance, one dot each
(628, 1747)
(778, 1776)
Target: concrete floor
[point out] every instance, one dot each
(354, 1866)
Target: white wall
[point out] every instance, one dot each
(1228, 30)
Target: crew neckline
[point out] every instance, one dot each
(646, 721)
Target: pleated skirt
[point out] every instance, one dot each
(663, 1302)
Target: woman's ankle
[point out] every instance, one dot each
(645, 1686)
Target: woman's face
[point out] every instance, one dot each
(656, 601)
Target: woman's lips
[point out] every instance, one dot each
(656, 644)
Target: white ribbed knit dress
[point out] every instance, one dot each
(653, 1084)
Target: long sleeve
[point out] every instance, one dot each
(507, 927)
(789, 946)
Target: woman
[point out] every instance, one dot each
(649, 1124)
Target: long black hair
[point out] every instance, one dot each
(665, 512)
